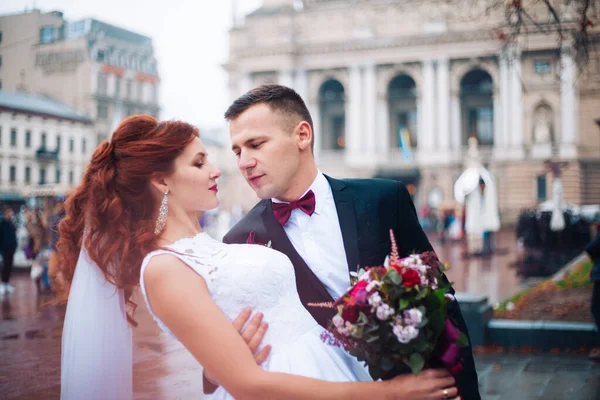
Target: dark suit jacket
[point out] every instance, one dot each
(593, 250)
(367, 209)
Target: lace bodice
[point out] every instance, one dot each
(242, 275)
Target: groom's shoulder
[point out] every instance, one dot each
(373, 185)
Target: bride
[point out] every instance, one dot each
(134, 221)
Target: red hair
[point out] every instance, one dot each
(114, 203)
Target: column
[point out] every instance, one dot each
(301, 83)
(370, 94)
(285, 78)
(245, 83)
(443, 105)
(456, 121)
(516, 105)
(568, 106)
(504, 132)
(354, 115)
(383, 127)
(426, 139)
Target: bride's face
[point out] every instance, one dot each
(193, 184)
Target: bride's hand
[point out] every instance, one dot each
(430, 384)
(253, 336)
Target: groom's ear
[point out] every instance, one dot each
(304, 134)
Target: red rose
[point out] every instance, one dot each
(359, 285)
(410, 277)
(350, 314)
(396, 267)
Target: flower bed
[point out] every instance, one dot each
(565, 300)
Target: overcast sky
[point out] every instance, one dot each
(190, 41)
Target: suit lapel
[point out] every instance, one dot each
(344, 204)
(310, 288)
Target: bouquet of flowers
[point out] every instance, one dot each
(394, 316)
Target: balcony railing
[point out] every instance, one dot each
(43, 154)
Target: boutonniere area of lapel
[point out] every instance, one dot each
(252, 240)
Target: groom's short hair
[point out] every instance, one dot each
(279, 98)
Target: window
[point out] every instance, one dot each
(0, 61)
(13, 174)
(58, 142)
(57, 175)
(27, 139)
(99, 139)
(100, 56)
(129, 110)
(71, 145)
(0, 136)
(0, 84)
(83, 146)
(43, 146)
(140, 92)
(102, 83)
(70, 177)
(47, 34)
(117, 86)
(102, 110)
(155, 93)
(0, 36)
(541, 188)
(42, 176)
(542, 67)
(13, 137)
(481, 124)
(28, 175)
(128, 84)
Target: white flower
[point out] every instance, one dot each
(384, 312)
(364, 276)
(413, 317)
(434, 284)
(374, 300)
(450, 296)
(496, 306)
(405, 333)
(338, 321)
(510, 306)
(372, 285)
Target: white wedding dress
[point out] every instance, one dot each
(241, 275)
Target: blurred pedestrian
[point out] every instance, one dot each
(8, 247)
(593, 250)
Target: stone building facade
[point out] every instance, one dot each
(396, 88)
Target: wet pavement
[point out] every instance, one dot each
(491, 276)
(30, 340)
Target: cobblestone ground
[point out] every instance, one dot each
(30, 361)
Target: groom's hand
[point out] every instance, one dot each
(253, 335)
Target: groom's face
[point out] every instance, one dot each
(267, 150)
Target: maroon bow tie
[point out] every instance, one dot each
(283, 211)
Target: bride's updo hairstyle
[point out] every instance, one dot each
(113, 212)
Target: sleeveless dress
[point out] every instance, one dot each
(241, 275)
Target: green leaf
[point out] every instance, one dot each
(372, 339)
(424, 321)
(463, 340)
(362, 319)
(394, 276)
(416, 363)
(422, 294)
(403, 304)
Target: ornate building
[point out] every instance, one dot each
(396, 88)
(102, 70)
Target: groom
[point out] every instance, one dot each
(327, 227)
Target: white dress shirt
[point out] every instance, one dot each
(318, 239)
